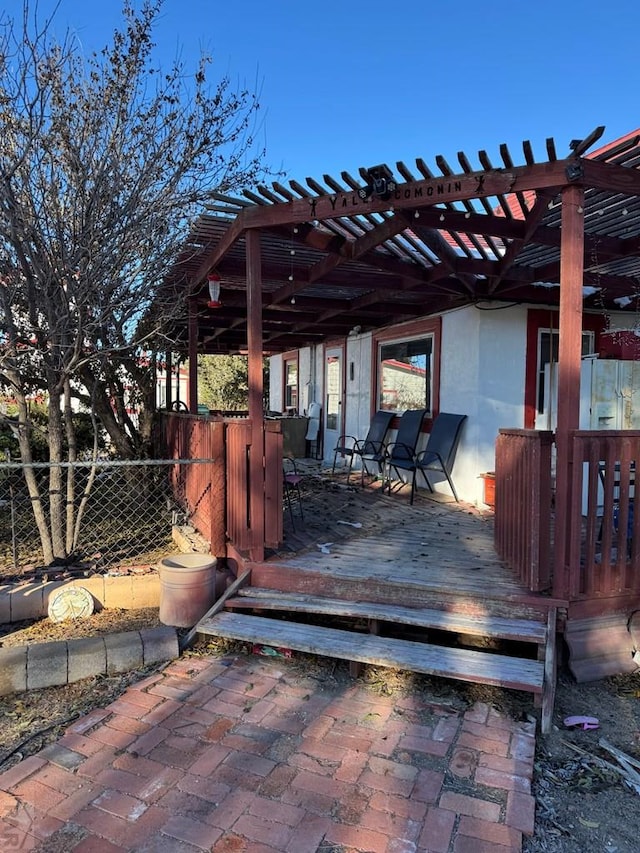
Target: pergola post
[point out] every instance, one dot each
(569, 356)
(193, 357)
(256, 393)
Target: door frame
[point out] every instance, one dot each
(340, 348)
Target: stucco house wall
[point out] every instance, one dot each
(482, 375)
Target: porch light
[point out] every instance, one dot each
(213, 279)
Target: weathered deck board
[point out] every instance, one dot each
(460, 664)
(482, 626)
(444, 546)
(386, 559)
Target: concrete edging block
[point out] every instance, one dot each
(47, 665)
(27, 602)
(13, 670)
(118, 591)
(5, 606)
(30, 600)
(87, 656)
(159, 644)
(124, 651)
(146, 590)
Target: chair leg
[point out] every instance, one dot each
(363, 471)
(291, 483)
(288, 500)
(335, 457)
(449, 480)
(427, 481)
(453, 489)
(299, 501)
(349, 468)
(389, 467)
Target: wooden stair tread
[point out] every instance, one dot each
(524, 630)
(461, 664)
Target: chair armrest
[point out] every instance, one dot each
(364, 445)
(389, 451)
(341, 444)
(420, 458)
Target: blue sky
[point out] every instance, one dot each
(349, 83)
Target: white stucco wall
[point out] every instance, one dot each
(482, 375)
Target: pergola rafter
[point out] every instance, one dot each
(333, 250)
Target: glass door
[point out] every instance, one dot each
(333, 386)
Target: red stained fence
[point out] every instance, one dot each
(201, 485)
(523, 504)
(243, 533)
(219, 491)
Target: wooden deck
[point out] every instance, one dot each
(366, 577)
(436, 545)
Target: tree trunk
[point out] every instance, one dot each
(56, 478)
(72, 456)
(35, 495)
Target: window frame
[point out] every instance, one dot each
(552, 344)
(548, 319)
(420, 329)
(289, 359)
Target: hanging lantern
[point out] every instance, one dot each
(213, 280)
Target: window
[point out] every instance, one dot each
(542, 349)
(548, 341)
(405, 373)
(291, 384)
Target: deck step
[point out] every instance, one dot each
(460, 664)
(522, 630)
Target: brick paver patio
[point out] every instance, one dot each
(239, 754)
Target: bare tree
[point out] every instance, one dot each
(104, 159)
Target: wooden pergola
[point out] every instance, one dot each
(299, 264)
(394, 244)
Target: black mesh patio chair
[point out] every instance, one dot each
(400, 455)
(370, 449)
(440, 452)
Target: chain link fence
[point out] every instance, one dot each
(123, 513)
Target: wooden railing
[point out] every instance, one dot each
(218, 493)
(601, 556)
(201, 485)
(523, 504)
(603, 546)
(243, 533)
